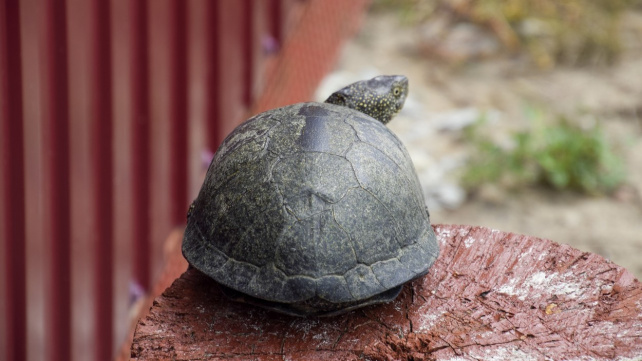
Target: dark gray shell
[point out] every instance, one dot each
(308, 204)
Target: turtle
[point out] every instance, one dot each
(314, 209)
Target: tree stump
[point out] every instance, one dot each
(490, 295)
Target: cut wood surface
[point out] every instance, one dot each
(491, 295)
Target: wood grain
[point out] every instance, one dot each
(490, 295)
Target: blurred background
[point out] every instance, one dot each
(523, 116)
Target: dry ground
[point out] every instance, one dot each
(610, 226)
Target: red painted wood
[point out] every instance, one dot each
(490, 295)
(276, 20)
(12, 188)
(102, 175)
(178, 111)
(118, 99)
(80, 44)
(231, 65)
(122, 153)
(37, 249)
(303, 61)
(197, 102)
(55, 134)
(122, 245)
(213, 111)
(141, 157)
(161, 104)
(247, 44)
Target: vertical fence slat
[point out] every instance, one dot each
(161, 105)
(83, 220)
(232, 65)
(212, 91)
(178, 112)
(247, 46)
(198, 38)
(49, 119)
(276, 20)
(102, 174)
(141, 143)
(55, 124)
(122, 140)
(37, 256)
(12, 201)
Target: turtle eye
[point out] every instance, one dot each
(396, 91)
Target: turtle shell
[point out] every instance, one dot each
(311, 209)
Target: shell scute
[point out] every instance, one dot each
(311, 208)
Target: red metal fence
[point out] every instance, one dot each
(106, 109)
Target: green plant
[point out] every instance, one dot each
(550, 32)
(560, 156)
(573, 32)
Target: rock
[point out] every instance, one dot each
(491, 193)
(490, 294)
(457, 41)
(446, 195)
(458, 119)
(440, 192)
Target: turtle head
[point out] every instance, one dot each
(381, 97)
